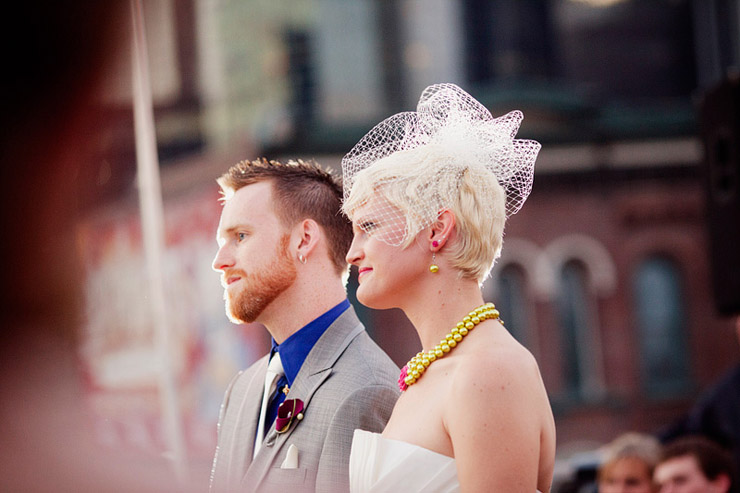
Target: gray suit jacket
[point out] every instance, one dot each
(346, 382)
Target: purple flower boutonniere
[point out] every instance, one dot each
(289, 409)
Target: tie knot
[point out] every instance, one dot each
(276, 365)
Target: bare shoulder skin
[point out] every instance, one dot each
(485, 405)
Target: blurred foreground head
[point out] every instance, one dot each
(54, 58)
(55, 54)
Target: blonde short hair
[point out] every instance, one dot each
(631, 445)
(412, 180)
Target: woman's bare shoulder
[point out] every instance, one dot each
(495, 357)
(499, 375)
(498, 404)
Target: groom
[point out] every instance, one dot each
(282, 246)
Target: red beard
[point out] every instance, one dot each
(261, 287)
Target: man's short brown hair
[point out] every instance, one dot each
(302, 190)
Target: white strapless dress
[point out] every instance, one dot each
(378, 464)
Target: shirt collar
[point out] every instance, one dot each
(294, 350)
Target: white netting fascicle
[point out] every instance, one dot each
(424, 154)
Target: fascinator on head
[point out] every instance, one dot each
(423, 154)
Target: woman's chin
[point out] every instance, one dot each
(373, 300)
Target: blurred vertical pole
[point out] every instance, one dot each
(152, 220)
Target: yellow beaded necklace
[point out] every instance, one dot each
(417, 365)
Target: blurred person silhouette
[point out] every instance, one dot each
(716, 413)
(282, 246)
(55, 54)
(628, 464)
(694, 464)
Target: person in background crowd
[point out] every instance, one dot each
(628, 464)
(694, 464)
(716, 413)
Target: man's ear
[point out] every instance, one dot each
(306, 234)
(441, 230)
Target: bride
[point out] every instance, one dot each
(428, 193)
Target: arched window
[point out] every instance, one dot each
(659, 309)
(576, 314)
(512, 302)
(513, 288)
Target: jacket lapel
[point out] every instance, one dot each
(244, 424)
(315, 370)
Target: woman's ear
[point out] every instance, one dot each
(441, 230)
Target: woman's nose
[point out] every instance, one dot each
(355, 253)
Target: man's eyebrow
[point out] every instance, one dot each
(234, 228)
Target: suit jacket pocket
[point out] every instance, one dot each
(278, 476)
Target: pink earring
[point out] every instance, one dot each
(435, 243)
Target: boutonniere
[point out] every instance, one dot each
(289, 409)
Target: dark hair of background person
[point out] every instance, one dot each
(713, 460)
(302, 190)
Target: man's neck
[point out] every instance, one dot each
(299, 305)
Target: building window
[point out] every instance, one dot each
(590, 45)
(301, 76)
(507, 40)
(579, 60)
(659, 309)
(601, 48)
(511, 302)
(578, 325)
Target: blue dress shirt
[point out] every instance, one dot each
(293, 352)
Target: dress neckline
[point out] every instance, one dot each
(405, 444)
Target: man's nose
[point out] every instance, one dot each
(222, 260)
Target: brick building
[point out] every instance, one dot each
(605, 274)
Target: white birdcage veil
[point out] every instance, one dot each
(423, 155)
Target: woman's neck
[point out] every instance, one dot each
(437, 308)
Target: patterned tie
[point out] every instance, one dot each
(274, 372)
